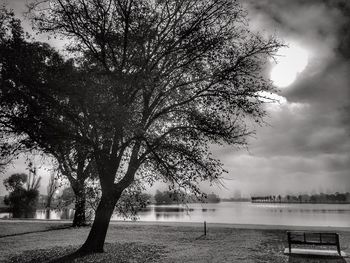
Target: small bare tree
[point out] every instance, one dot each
(33, 179)
(51, 189)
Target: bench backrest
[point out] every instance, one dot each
(313, 237)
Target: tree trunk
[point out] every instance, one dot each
(110, 195)
(79, 215)
(97, 235)
(80, 202)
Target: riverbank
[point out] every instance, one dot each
(150, 242)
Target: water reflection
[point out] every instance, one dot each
(208, 210)
(232, 213)
(55, 214)
(173, 216)
(172, 209)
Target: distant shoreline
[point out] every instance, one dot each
(297, 202)
(196, 224)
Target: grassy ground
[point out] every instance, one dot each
(140, 242)
(20, 228)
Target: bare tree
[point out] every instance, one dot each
(33, 179)
(51, 189)
(160, 82)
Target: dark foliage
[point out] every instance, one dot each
(15, 181)
(36, 82)
(22, 200)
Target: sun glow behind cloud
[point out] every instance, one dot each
(291, 61)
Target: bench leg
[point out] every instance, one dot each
(338, 245)
(289, 243)
(338, 248)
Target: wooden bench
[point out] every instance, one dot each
(313, 238)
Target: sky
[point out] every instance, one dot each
(305, 146)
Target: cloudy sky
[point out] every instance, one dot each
(305, 147)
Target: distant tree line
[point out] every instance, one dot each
(169, 197)
(238, 199)
(304, 198)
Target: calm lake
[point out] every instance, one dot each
(336, 215)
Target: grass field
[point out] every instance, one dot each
(149, 242)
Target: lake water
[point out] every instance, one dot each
(335, 215)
